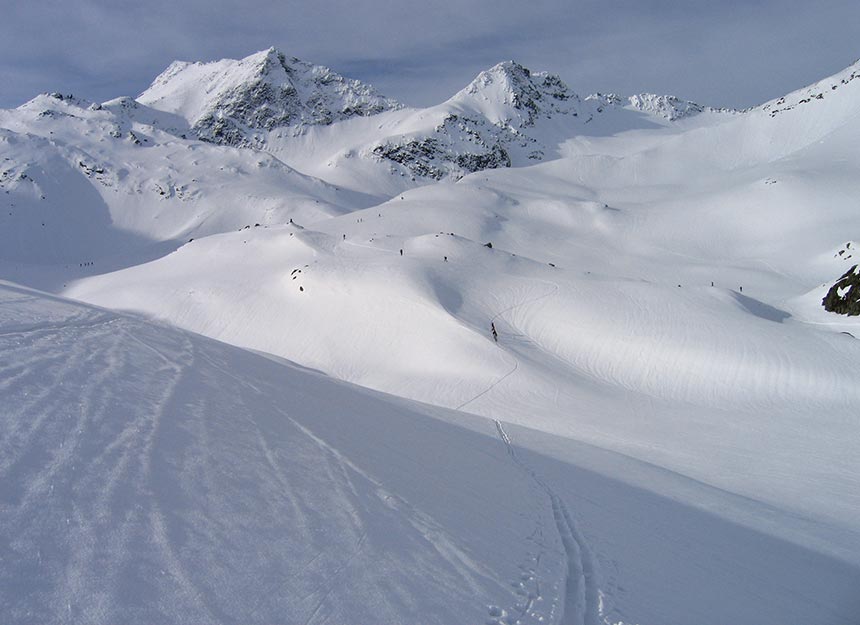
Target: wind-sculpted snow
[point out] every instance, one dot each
(645, 303)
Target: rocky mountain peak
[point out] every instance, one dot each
(271, 58)
(235, 102)
(512, 77)
(509, 94)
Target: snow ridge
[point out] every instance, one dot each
(815, 92)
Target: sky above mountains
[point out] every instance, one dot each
(731, 53)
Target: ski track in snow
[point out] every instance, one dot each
(516, 364)
(124, 462)
(582, 599)
(124, 501)
(581, 602)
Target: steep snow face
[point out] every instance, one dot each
(234, 102)
(341, 130)
(457, 146)
(510, 95)
(487, 125)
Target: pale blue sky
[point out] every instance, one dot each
(730, 53)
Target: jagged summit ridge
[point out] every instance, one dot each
(509, 94)
(234, 102)
(508, 115)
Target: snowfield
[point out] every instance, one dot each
(298, 412)
(151, 475)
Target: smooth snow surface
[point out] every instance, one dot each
(665, 432)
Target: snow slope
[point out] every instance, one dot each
(155, 476)
(572, 350)
(86, 186)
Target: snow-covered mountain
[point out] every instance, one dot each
(507, 116)
(232, 102)
(501, 118)
(667, 393)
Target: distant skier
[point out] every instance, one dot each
(401, 252)
(493, 330)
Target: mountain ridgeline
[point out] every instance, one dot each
(500, 119)
(507, 116)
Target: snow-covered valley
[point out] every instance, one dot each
(665, 431)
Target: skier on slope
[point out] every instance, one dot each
(493, 330)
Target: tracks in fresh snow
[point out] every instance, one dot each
(148, 476)
(580, 601)
(516, 362)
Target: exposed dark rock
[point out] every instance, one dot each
(844, 296)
